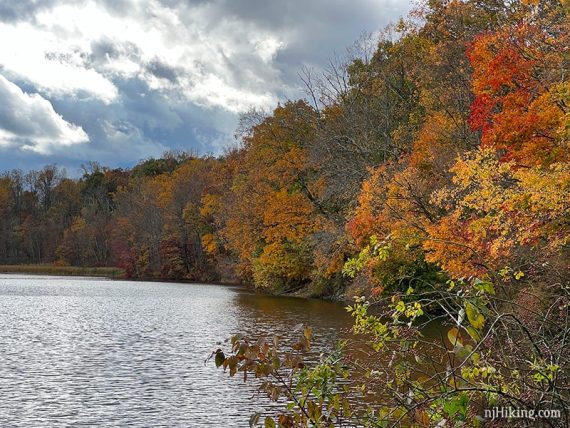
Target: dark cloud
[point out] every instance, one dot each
(119, 7)
(163, 71)
(163, 74)
(17, 10)
(104, 50)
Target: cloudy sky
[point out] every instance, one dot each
(116, 81)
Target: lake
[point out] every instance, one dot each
(96, 352)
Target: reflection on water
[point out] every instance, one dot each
(77, 351)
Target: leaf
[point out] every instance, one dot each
(254, 420)
(276, 363)
(484, 286)
(474, 316)
(236, 338)
(423, 418)
(220, 358)
(232, 364)
(474, 333)
(464, 351)
(269, 423)
(457, 406)
(308, 333)
(454, 336)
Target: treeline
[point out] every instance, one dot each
(441, 147)
(145, 220)
(430, 182)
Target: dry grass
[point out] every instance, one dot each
(107, 272)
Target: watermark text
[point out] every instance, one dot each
(515, 413)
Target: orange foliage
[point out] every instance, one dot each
(271, 218)
(476, 210)
(517, 105)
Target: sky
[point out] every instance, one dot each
(117, 81)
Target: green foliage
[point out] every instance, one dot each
(391, 266)
(153, 167)
(374, 250)
(427, 382)
(314, 394)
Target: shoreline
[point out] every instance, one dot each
(51, 270)
(118, 274)
(112, 273)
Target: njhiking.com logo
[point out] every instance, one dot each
(514, 413)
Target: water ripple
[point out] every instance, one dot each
(89, 352)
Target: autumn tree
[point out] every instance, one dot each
(274, 210)
(507, 203)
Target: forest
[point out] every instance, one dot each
(428, 168)
(445, 141)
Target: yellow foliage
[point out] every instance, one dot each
(499, 209)
(210, 205)
(280, 262)
(289, 217)
(79, 223)
(209, 244)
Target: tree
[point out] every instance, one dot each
(273, 208)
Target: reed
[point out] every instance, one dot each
(47, 269)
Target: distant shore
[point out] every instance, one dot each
(47, 269)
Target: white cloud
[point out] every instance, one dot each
(140, 76)
(55, 66)
(29, 122)
(220, 53)
(56, 53)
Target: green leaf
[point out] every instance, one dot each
(220, 358)
(269, 422)
(464, 351)
(484, 286)
(474, 316)
(457, 406)
(505, 271)
(474, 333)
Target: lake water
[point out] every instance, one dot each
(93, 352)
